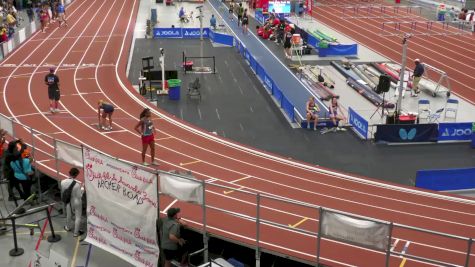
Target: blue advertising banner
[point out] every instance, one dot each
(455, 131)
(277, 93)
(406, 133)
(448, 179)
(167, 33)
(222, 38)
(194, 33)
(179, 33)
(261, 73)
(288, 107)
(268, 83)
(247, 56)
(360, 125)
(261, 18)
(253, 64)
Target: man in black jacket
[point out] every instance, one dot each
(416, 77)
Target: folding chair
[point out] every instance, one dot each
(434, 117)
(451, 106)
(194, 89)
(423, 107)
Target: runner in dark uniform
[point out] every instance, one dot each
(107, 110)
(52, 81)
(245, 22)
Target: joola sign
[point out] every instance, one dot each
(179, 33)
(167, 33)
(455, 131)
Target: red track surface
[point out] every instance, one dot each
(105, 42)
(454, 54)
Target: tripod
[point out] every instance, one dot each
(381, 106)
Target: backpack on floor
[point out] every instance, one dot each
(66, 197)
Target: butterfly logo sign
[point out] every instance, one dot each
(405, 135)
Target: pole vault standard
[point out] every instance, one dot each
(401, 73)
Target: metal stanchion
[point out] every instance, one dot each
(205, 234)
(319, 235)
(16, 251)
(388, 249)
(469, 249)
(53, 238)
(258, 223)
(37, 173)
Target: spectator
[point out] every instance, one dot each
(2, 142)
(3, 34)
(212, 22)
(441, 10)
(451, 14)
(170, 238)
(11, 23)
(287, 44)
(312, 112)
(416, 77)
(23, 172)
(30, 12)
(182, 15)
(74, 205)
(463, 14)
(334, 108)
(10, 155)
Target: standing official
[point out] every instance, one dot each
(416, 77)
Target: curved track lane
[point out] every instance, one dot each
(91, 58)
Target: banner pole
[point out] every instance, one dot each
(319, 235)
(37, 174)
(388, 249)
(158, 224)
(258, 224)
(469, 248)
(205, 235)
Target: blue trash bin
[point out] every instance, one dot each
(174, 86)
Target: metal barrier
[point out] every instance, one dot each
(49, 160)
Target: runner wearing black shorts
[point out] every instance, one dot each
(240, 13)
(231, 9)
(245, 22)
(54, 94)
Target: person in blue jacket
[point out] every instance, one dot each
(23, 172)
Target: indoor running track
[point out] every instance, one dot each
(91, 56)
(454, 54)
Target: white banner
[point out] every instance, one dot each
(21, 35)
(353, 230)
(180, 188)
(6, 124)
(69, 153)
(122, 208)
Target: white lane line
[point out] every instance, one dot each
(88, 93)
(394, 244)
(115, 131)
(240, 89)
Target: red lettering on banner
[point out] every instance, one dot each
(92, 211)
(137, 176)
(137, 257)
(143, 238)
(123, 229)
(121, 238)
(92, 234)
(94, 159)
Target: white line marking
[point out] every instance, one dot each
(116, 131)
(394, 244)
(170, 205)
(199, 114)
(217, 114)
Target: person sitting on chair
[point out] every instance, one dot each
(182, 15)
(312, 113)
(334, 116)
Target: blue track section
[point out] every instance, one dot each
(286, 81)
